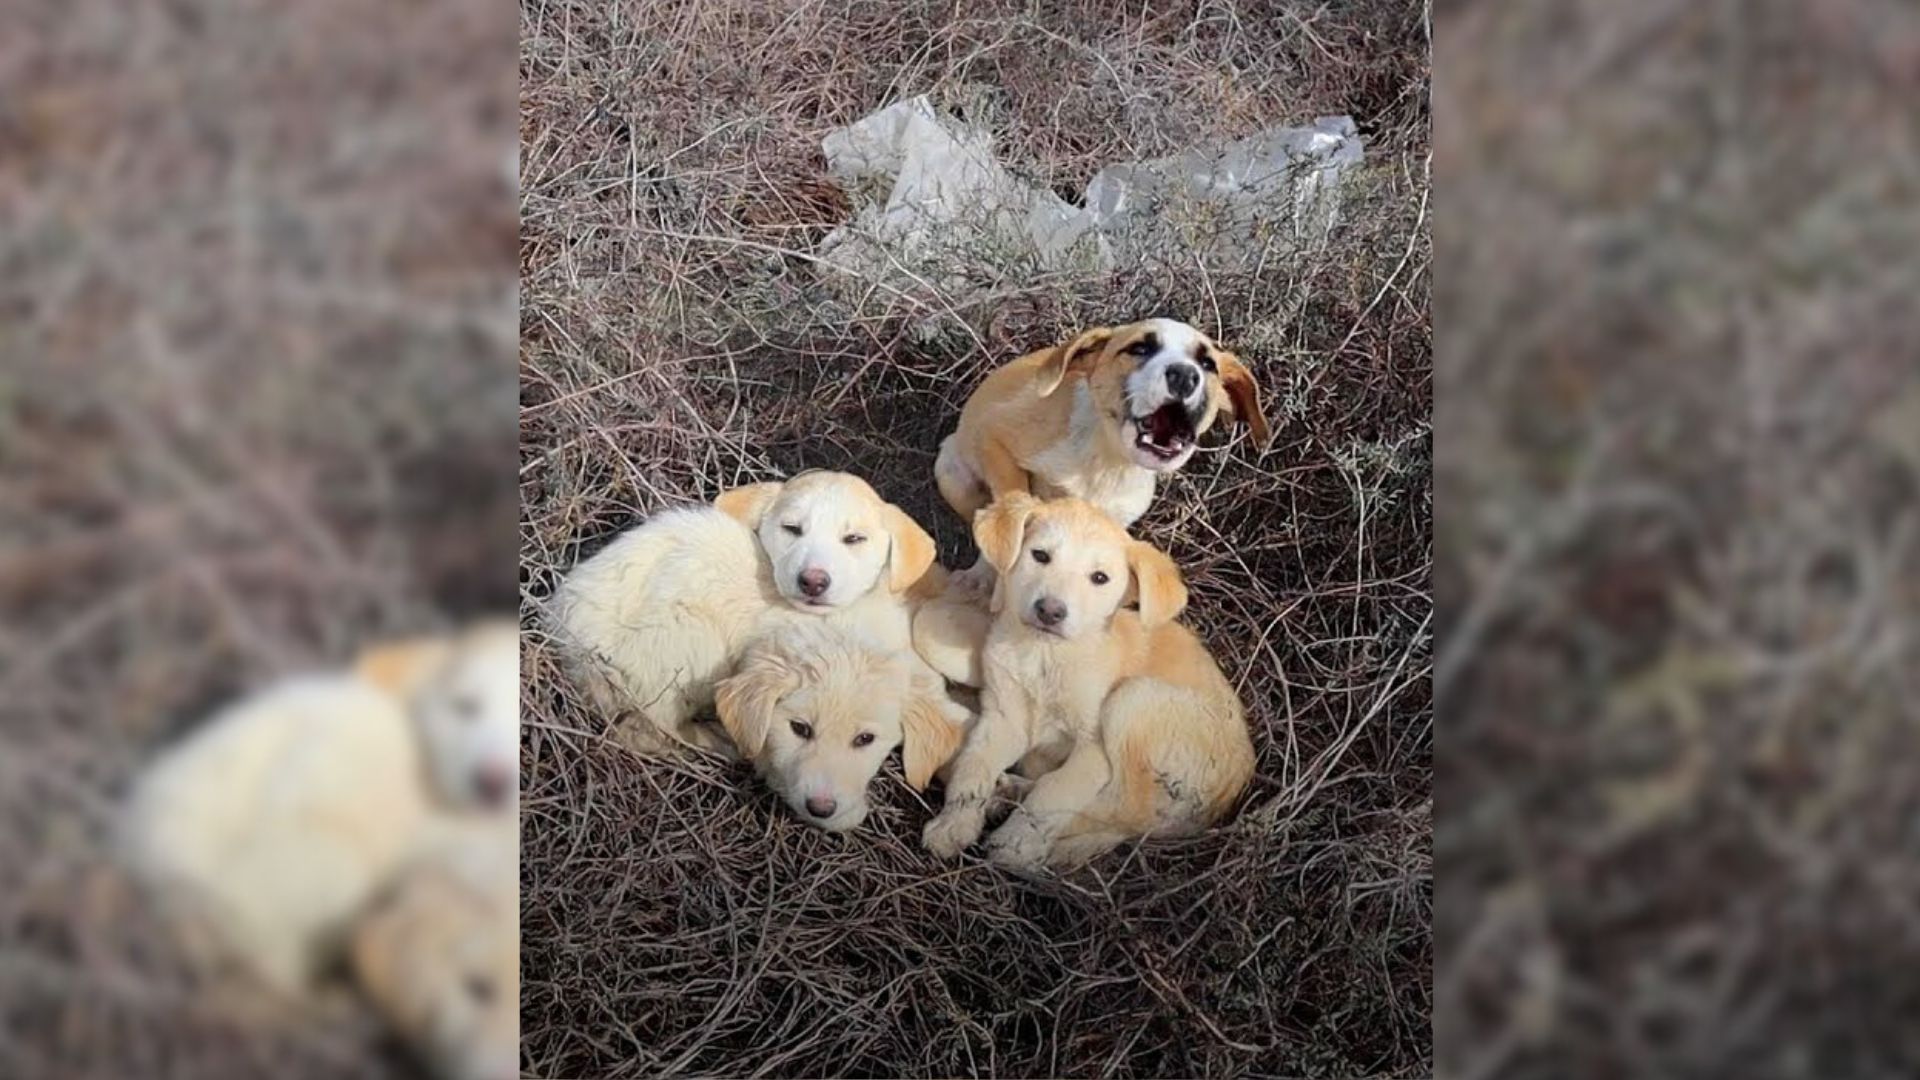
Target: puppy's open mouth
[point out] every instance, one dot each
(1166, 432)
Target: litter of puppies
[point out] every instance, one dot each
(810, 617)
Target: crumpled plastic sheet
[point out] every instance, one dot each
(1299, 169)
(953, 216)
(946, 194)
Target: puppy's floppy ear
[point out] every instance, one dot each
(913, 551)
(1157, 583)
(403, 667)
(1244, 393)
(373, 951)
(999, 528)
(928, 739)
(745, 699)
(1075, 355)
(748, 505)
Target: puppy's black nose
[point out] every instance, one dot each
(1049, 611)
(1183, 380)
(814, 582)
(493, 782)
(821, 807)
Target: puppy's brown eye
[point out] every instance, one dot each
(1040, 556)
(853, 538)
(793, 530)
(801, 728)
(1143, 347)
(1206, 361)
(1100, 577)
(480, 988)
(865, 738)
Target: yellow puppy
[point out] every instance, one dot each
(438, 956)
(817, 709)
(662, 613)
(1097, 418)
(1146, 732)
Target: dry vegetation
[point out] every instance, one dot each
(255, 334)
(676, 339)
(1679, 550)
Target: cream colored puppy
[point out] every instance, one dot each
(818, 709)
(437, 955)
(1097, 418)
(271, 824)
(655, 619)
(1129, 725)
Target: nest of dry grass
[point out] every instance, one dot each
(677, 340)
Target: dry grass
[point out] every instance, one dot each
(1680, 544)
(255, 319)
(677, 340)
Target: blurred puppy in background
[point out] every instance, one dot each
(269, 827)
(817, 709)
(660, 615)
(437, 955)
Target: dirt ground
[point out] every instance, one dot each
(677, 339)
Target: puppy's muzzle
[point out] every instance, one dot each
(821, 807)
(814, 583)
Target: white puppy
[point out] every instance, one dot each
(659, 616)
(818, 709)
(273, 822)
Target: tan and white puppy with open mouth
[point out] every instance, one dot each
(660, 615)
(817, 709)
(1097, 418)
(1124, 719)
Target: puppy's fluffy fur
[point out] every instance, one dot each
(437, 954)
(271, 824)
(1096, 418)
(1126, 721)
(818, 709)
(657, 618)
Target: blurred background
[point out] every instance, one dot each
(1679, 745)
(256, 306)
(257, 326)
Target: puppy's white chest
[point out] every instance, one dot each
(1063, 470)
(1076, 466)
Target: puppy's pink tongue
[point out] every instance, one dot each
(1160, 425)
(1166, 427)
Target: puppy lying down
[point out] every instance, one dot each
(437, 955)
(654, 620)
(1125, 721)
(273, 823)
(818, 708)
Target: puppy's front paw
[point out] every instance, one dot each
(949, 834)
(1020, 844)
